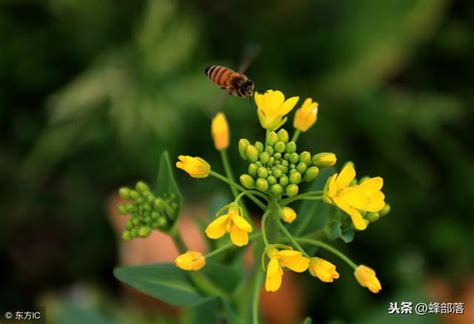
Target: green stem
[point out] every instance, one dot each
(296, 135)
(287, 201)
(230, 245)
(249, 192)
(239, 187)
(331, 249)
(292, 239)
(264, 232)
(256, 296)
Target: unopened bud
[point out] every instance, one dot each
(292, 190)
(288, 215)
(280, 147)
(247, 181)
(272, 138)
(294, 158)
(252, 153)
(259, 146)
(252, 169)
(301, 167)
(276, 189)
(283, 181)
(144, 231)
(311, 173)
(372, 217)
(385, 210)
(271, 180)
(124, 193)
(269, 150)
(305, 157)
(264, 157)
(122, 210)
(142, 187)
(134, 195)
(295, 177)
(262, 184)
(283, 135)
(126, 235)
(291, 147)
(262, 172)
(324, 159)
(243, 144)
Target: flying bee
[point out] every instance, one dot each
(234, 83)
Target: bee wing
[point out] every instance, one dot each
(251, 51)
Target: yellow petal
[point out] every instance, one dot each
(238, 236)
(346, 176)
(218, 227)
(331, 186)
(355, 197)
(293, 260)
(367, 278)
(371, 185)
(241, 223)
(191, 260)
(273, 100)
(274, 275)
(322, 269)
(357, 219)
(259, 100)
(288, 105)
(376, 202)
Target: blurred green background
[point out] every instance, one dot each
(91, 92)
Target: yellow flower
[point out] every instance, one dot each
(367, 278)
(306, 116)
(353, 199)
(233, 223)
(290, 259)
(272, 108)
(191, 260)
(324, 270)
(220, 132)
(288, 214)
(194, 166)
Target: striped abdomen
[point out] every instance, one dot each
(219, 74)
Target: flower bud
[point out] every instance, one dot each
(372, 217)
(220, 132)
(142, 187)
(322, 269)
(196, 167)
(295, 177)
(385, 210)
(134, 195)
(306, 116)
(305, 157)
(243, 144)
(259, 146)
(272, 138)
(288, 215)
(367, 278)
(311, 173)
(277, 173)
(264, 157)
(190, 260)
(262, 184)
(144, 231)
(277, 156)
(271, 180)
(124, 193)
(262, 172)
(252, 153)
(294, 158)
(280, 147)
(301, 167)
(292, 190)
(247, 181)
(291, 147)
(130, 208)
(283, 181)
(283, 135)
(269, 150)
(122, 210)
(276, 189)
(126, 236)
(252, 169)
(324, 159)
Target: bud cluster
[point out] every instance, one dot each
(276, 168)
(147, 211)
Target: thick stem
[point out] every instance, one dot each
(256, 296)
(292, 239)
(329, 248)
(296, 135)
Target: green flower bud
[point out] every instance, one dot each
(259, 164)
(122, 210)
(126, 236)
(134, 232)
(284, 169)
(259, 146)
(324, 159)
(276, 189)
(243, 144)
(129, 225)
(262, 184)
(283, 135)
(283, 181)
(277, 173)
(277, 156)
(155, 215)
(149, 197)
(295, 177)
(272, 138)
(292, 166)
(142, 187)
(269, 150)
(285, 163)
(292, 190)
(271, 180)
(262, 172)
(252, 153)
(124, 193)
(264, 157)
(277, 162)
(372, 217)
(160, 223)
(305, 157)
(311, 173)
(294, 158)
(291, 147)
(385, 210)
(271, 161)
(252, 169)
(144, 231)
(134, 195)
(301, 167)
(129, 208)
(140, 201)
(280, 147)
(135, 221)
(247, 181)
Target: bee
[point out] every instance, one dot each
(234, 83)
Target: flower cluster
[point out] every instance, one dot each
(147, 211)
(276, 168)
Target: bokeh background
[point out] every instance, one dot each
(91, 92)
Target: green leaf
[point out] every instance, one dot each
(162, 281)
(203, 313)
(166, 184)
(223, 276)
(307, 320)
